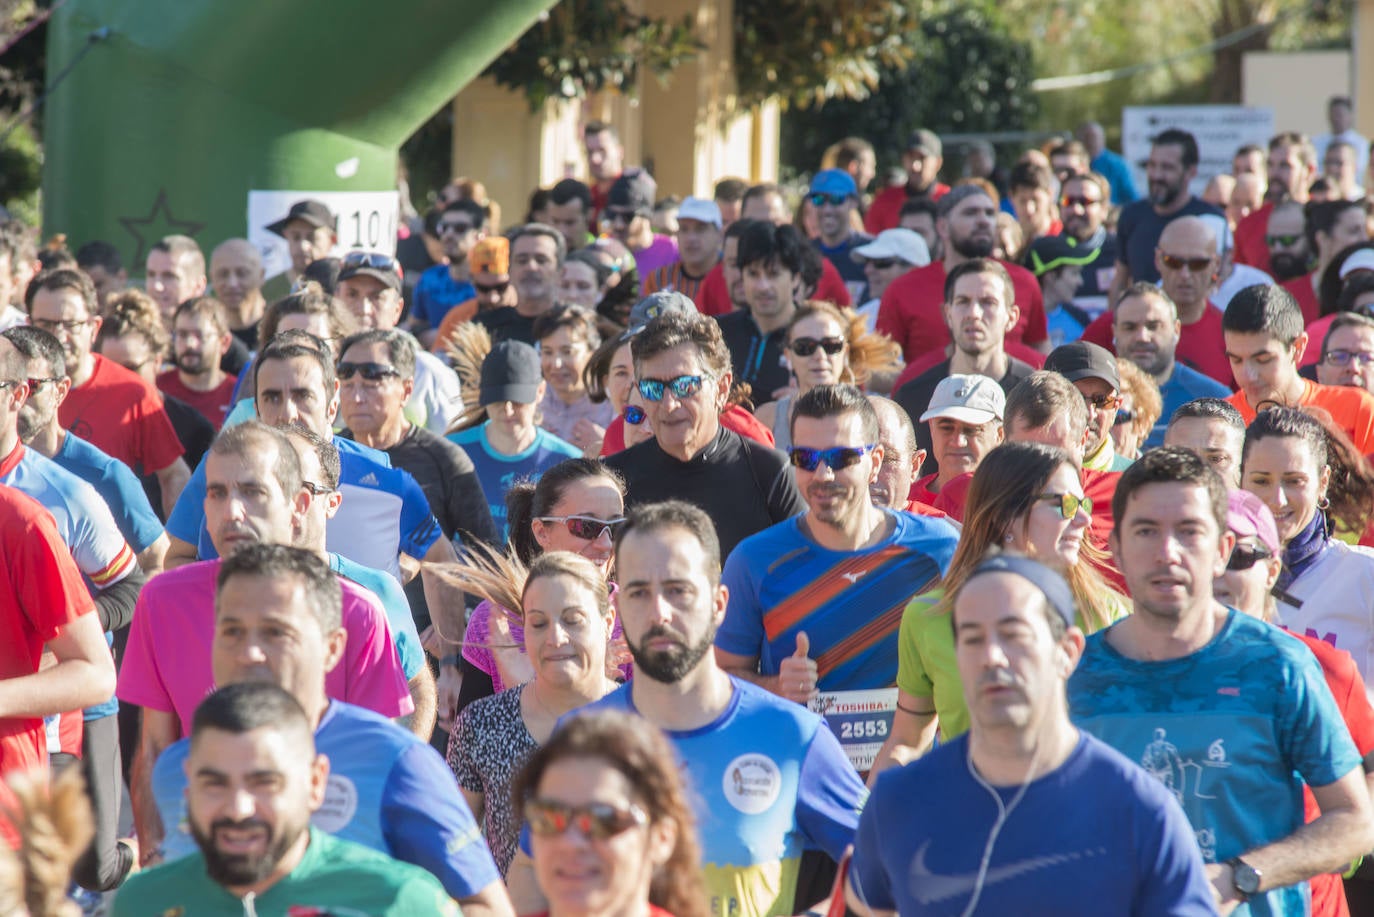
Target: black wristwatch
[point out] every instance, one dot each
(1244, 877)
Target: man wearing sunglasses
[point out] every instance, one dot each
(1286, 241)
(836, 198)
(1291, 169)
(1331, 227)
(893, 253)
(682, 368)
(629, 206)
(1223, 709)
(801, 590)
(1084, 204)
(1092, 370)
(462, 224)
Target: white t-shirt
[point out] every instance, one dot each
(1337, 598)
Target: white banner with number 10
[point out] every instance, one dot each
(365, 219)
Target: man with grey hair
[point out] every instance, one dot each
(911, 308)
(537, 251)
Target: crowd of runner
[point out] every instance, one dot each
(998, 544)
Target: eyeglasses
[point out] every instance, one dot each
(35, 384)
(458, 228)
(1346, 357)
(489, 288)
(1177, 263)
(634, 414)
(375, 260)
(1103, 402)
(1084, 202)
(837, 458)
(52, 327)
(805, 347)
(1069, 505)
(10, 383)
(1284, 241)
(681, 387)
(598, 820)
(1244, 556)
(819, 200)
(371, 372)
(317, 490)
(588, 528)
(881, 264)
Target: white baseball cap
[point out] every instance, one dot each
(701, 210)
(905, 244)
(967, 399)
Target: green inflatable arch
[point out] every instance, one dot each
(177, 109)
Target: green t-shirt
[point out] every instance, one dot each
(926, 666)
(337, 877)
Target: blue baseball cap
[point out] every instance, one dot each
(834, 181)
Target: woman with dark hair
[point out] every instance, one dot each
(1316, 483)
(611, 833)
(585, 278)
(1024, 497)
(567, 618)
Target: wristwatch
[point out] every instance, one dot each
(1244, 877)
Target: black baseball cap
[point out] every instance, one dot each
(510, 373)
(1084, 360)
(635, 190)
(313, 212)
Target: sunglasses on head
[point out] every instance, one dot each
(681, 387)
(634, 414)
(1175, 263)
(375, 260)
(1068, 504)
(598, 820)
(818, 199)
(371, 372)
(1244, 556)
(588, 528)
(837, 458)
(489, 288)
(805, 347)
(1284, 240)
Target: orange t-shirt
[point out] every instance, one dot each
(1351, 408)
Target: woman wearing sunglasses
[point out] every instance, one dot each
(611, 832)
(826, 345)
(1314, 482)
(1024, 497)
(567, 622)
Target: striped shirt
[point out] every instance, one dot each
(673, 277)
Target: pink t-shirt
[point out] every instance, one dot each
(660, 252)
(167, 663)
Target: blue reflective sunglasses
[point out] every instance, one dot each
(634, 414)
(818, 199)
(681, 387)
(836, 459)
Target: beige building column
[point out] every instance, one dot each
(1362, 66)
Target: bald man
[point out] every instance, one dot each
(1247, 196)
(236, 276)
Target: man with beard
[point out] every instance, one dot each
(771, 780)
(1286, 241)
(236, 277)
(462, 225)
(1330, 228)
(200, 337)
(1083, 205)
(922, 159)
(536, 254)
(835, 196)
(910, 308)
(1292, 167)
(1146, 330)
(1169, 170)
(788, 625)
(253, 782)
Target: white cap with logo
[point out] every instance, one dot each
(967, 399)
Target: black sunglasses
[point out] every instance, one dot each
(371, 372)
(805, 347)
(489, 288)
(1244, 556)
(881, 264)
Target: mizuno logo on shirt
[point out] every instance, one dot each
(853, 577)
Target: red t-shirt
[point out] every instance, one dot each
(1301, 288)
(886, 210)
(713, 296)
(911, 312)
(1201, 345)
(1251, 248)
(41, 592)
(122, 415)
(213, 405)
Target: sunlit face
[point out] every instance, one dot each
(39, 411)
(63, 313)
(833, 219)
(570, 219)
(1283, 472)
(1034, 207)
(291, 392)
(1349, 358)
(245, 503)
(1351, 227)
(562, 357)
(577, 285)
(171, 281)
(534, 267)
(1167, 176)
(621, 378)
(1044, 533)
(979, 314)
(513, 419)
(265, 631)
(197, 345)
(1248, 590)
(368, 406)
(836, 497)
(1213, 440)
(1058, 432)
(307, 242)
(1264, 368)
(1146, 332)
(770, 288)
(1289, 176)
(959, 447)
(605, 157)
(1169, 548)
(922, 168)
(596, 496)
(373, 303)
(698, 242)
(880, 272)
(1187, 262)
(236, 272)
(1102, 400)
(971, 227)
(1083, 208)
(565, 632)
(684, 426)
(133, 352)
(819, 368)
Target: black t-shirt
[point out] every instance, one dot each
(449, 480)
(506, 324)
(248, 337)
(914, 398)
(1138, 230)
(237, 356)
(755, 358)
(744, 486)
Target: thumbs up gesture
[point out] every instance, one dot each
(797, 674)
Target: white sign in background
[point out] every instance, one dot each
(366, 220)
(1220, 130)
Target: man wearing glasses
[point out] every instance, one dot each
(1092, 370)
(1083, 206)
(462, 225)
(1348, 352)
(682, 368)
(815, 600)
(108, 405)
(626, 219)
(835, 197)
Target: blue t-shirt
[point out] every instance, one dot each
(387, 790)
(393, 601)
(1138, 230)
(383, 513)
(850, 271)
(118, 487)
(767, 781)
(1232, 731)
(498, 473)
(1094, 836)
(1114, 169)
(1184, 385)
(436, 292)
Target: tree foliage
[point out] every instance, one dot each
(966, 74)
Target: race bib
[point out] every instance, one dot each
(861, 720)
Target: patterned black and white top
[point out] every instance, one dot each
(487, 748)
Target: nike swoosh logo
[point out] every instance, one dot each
(928, 887)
